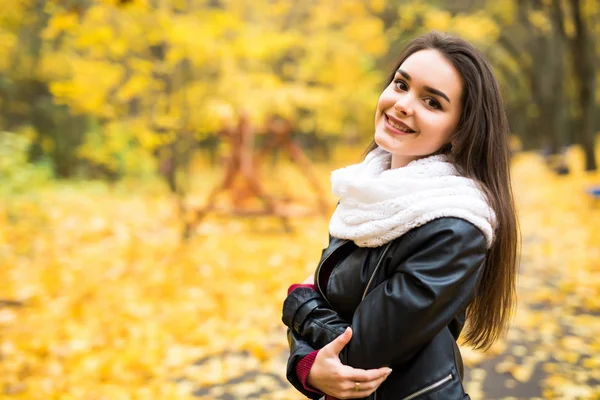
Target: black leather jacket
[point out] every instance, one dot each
(405, 302)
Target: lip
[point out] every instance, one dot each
(395, 130)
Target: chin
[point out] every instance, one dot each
(383, 141)
(378, 138)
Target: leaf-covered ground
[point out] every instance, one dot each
(99, 300)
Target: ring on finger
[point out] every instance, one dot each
(357, 386)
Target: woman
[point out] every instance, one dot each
(424, 239)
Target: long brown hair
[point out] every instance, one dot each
(480, 150)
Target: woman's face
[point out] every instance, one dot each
(419, 111)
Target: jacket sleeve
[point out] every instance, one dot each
(298, 350)
(308, 315)
(420, 297)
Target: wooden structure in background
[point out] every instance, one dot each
(241, 180)
(280, 131)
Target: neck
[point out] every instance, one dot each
(399, 161)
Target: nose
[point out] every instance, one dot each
(403, 106)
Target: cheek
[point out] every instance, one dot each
(385, 101)
(444, 124)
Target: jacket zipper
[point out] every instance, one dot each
(375, 270)
(433, 386)
(369, 285)
(319, 271)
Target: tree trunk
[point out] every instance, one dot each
(584, 61)
(556, 50)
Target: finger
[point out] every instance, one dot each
(365, 388)
(365, 375)
(336, 346)
(361, 375)
(371, 385)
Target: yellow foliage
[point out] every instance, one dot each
(478, 28)
(569, 27)
(7, 49)
(421, 17)
(110, 57)
(54, 66)
(60, 23)
(589, 8)
(504, 10)
(367, 33)
(115, 307)
(134, 87)
(437, 20)
(352, 8)
(121, 148)
(147, 138)
(95, 37)
(88, 89)
(409, 13)
(377, 6)
(540, 20)
(12, 17)
(48, 144)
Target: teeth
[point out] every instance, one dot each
(400, 128)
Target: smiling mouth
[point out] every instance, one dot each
(399, 125)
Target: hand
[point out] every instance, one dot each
(331, 377)
(310, 280)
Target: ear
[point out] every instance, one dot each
(452, 139)
(451, 145)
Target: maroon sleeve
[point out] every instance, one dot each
(297, 285)
(303, 368)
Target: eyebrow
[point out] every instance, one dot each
(427, 88)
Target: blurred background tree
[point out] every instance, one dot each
(113, 88)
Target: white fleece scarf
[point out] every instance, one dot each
(379, 204)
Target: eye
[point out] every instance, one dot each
(433, 103)
(400, 84)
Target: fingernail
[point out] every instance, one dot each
(347, 329)
(389, 371)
